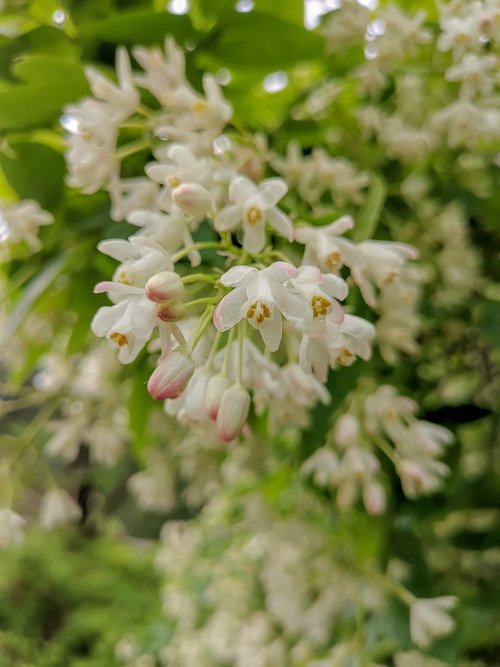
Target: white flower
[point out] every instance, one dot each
(163, 76)
(153, 488)
(183, 166)
(58, 508)
(12, 527)
(140, 257)
(323, 466)
(323, 245)
(261, 297)
(475, 73)
(66, 440)
(254, 207)
(340, 344)
(129, 323)
(21, 221)
(322, 291)
(429, 619)
(378, 263)
(421, 476)
(91, 144)
(122, 98)
(459, 33)
(130, 194)
(291, 167)
(193, 200)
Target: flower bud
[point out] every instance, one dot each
(170, 377)
(164, 286)
(217, 385)
(233, 412)
(346, 430)
(170, 312)
(374, 498)
(192, 199)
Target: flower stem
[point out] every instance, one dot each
(196, 246)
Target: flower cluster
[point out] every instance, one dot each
(380, 420)
(211, 362)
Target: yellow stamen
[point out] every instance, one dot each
(253, 215)
(119, 338)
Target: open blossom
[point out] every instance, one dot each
(12, 526)
(261, 297)
(58, 508)
(253, 207)
(323, 245)
(140, 258)
(129, 323)
(20, 222)
(429, 619)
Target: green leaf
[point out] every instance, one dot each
(139, 27)
(50, 84)
(261, 41)
(205, 13)
(288, 10)
(36, 172)
(368, 218)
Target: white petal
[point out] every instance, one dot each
(340, 226)
(236, 274)
(228, 218)
(271, 332)
(241, 189)
(334, 286)
(293, 306)
(254, 237)
(280, 223)
(228, 312)
(106, 317)
(272, 190)
(118, 249)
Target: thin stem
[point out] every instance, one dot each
(132, 147)
(204, 299)
(145, 111)
(395, 587)
(205, 321)
(195, 277)
(384, 447)
(241, 338)
(228, 351)
(213, 349)
(196, 246)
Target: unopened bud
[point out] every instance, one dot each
(170, 312)
(374, 498)
(217, 385)
(170, 377)
(346, 430)
(164, 286)
(192, 199)
(233, 412)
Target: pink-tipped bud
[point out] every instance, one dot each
(374, 498)
(170, 377)
(170, 312)
(233, 412)
(164, 286)
(217, 385)
(192, 199)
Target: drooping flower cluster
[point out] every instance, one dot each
(211, 363)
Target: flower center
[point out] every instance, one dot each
(199, 106)
(345, 357)
(389, 278)
(258, 311)
(118, 338)
(173, 181)
(333, 260)
(320, 305)
(253, 215)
